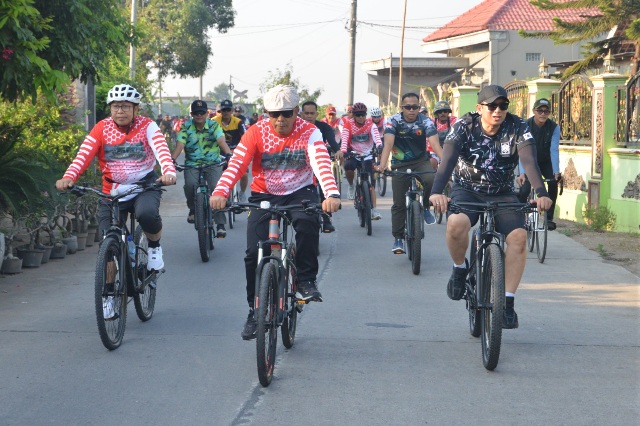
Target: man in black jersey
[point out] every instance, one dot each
(481, 151)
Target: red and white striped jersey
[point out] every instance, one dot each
(123, 157)
(281, 165)
(359, 139)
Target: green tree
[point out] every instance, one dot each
(625, 14)
(285, 76)
(47, 43)
(177, 43)
(219, 93)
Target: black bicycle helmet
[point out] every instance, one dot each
(358, 107)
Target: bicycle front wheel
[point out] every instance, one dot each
(416, 236)
(367, 205)
(440, 215)
(233, 199)
(144, 296)
(492, 302)
(202, 225)
(531, 229)
(472, 280)
(110, 293)
(267, 333)
(381, 184)
(290, 322)
(541, 244)
(337, 174)
(358, 203)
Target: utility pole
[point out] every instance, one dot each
(352, 51)
(132, 48)
(404, 18)
(201, 87)
(390, 74)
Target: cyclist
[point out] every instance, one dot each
(405, 139)
(310, 113)
(378, 119)
(443, 121)
(332, 120)
(233, 129)
(202, 140)
(237, 112)
(483, 148)
(286, 152)
(546, 132)
(360, 135)
(127, 146)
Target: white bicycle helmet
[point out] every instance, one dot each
(376, 112)
(123, 92)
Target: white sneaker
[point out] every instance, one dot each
(351, 192)
(375, 215)
(155, 259)
(108, 308)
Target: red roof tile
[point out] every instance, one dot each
(506, 15)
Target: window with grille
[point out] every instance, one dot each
(532, 57)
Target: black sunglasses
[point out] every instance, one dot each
(413, 107)
(198, 113)
(492, 107)
(286, 114)
(225, 109)
(360, 114)
(543, 111)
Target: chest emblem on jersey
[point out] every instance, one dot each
(419, 132)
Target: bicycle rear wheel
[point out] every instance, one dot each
(267, 333)
(531, 229)
(144, 296)
(367, 205)
(202, 225)
(381, 184)
(337, 174)
(492, 301)
(472, 280)
(416, 236)
(541, 244)
(114, 293)
(290, 322)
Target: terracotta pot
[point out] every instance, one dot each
(31, 258)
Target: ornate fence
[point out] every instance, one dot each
(628, 129)
(518, 94)
(572, 107)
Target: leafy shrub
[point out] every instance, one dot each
(600, 218)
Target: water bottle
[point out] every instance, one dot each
(132, 250)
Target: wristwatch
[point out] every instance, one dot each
(334, 196)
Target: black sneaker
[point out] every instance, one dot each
(250, 326)
(456, 284)
(551, 225)
(510, 319)
(191, 217)
(398, 246)
(221, 232)
(327, 227)
(307, 290)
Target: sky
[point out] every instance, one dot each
(312, 36)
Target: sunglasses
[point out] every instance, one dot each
(360, 114)
(492, 107)
(543, 111)
(225, 109)
(198, 113)
(286, 114)
(413, 107)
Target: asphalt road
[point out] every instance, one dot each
(384, 348)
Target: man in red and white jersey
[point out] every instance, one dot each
(286, 152)
(127, 146)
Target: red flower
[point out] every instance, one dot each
(6, 54)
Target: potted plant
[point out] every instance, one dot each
(31, 221)
(10, 263)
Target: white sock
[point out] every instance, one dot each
(464, 265)
(507, 294)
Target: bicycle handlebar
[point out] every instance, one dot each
(470, 206)
(306, 206)
(183, 167)
(138, 187)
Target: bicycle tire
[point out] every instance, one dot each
(337, 174)
(144, 296)
(531, 230)
(472, 281)
(109, 262)
(416, 236)
(290, 323)
(202, 225)
(541, 244)
(492, 300)
(381, 184)
(234, 199)
(367, 206)
(266, 331)
(358, 203)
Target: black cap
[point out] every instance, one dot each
(542, 102)
(226, 104)
(198, 106)
(490, 93)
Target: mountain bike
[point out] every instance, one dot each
(414, 223)
(485, 288)
(121, 268)
(362, 200)
(202, 212)
(381, 179)
(276, 303)
(336, 171)
(536, 225)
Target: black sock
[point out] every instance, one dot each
(509, 302)
(154, 244)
